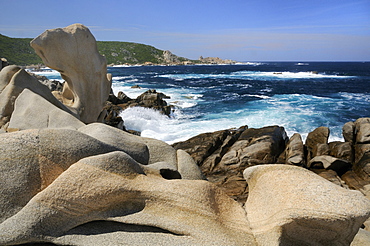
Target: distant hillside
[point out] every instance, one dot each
(18, 51)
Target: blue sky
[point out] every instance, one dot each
(243, 30)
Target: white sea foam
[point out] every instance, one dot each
(253, 75)
(259, 96)
(296, 112)
(302, 64)
(118, 78)
(285, 75)
(47, 72)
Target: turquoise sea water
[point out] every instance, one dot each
(297, 96)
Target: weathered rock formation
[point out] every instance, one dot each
(293, 217)
(149, 99)
(215, 60)
(13, 80)
(66, 182)
(169, 57)
(224, 155)
(72, 51)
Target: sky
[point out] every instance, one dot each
(242, 30)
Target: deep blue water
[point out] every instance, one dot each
(214, 97)
(298, 97)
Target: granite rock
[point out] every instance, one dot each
(13, 81)
(114, 188)
(32, 111)
(318, 136)
(73, 52)
(289, 205)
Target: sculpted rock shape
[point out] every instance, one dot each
(73, 52)
(131, 144)
(13, 80)
(113, 187)
(32, 111)
(289, 205)
(32, 159)
(187, 166)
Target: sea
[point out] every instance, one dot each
(299, 96)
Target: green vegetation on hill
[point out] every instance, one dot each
(131, 53)
(18, 51)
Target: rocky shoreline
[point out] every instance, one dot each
(71, 175)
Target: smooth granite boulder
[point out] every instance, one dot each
(32, 159)
(109, 198)
(160, 151)
(289, 205)
(20, 80)
(187, 166)
(355, 182)
(32, 111)
(131, 144)
(362, 161)
(362, 238)
(6, 75)
(203, 145)
(342, 150)
(73, 52)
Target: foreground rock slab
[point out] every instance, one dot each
(114, 190)
(289, 205)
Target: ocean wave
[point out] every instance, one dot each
(286, 75)
(183, 104)
(254, 75)
(120, 78)
(51, 74)
(365, 97)
(259, 96)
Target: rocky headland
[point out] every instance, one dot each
(71, 175)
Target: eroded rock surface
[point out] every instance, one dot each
(309, 210)
(71, 183)
(72, 51)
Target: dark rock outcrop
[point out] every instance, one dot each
(294, 152)
(222, 155)
(149, 99)
(319, 136)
